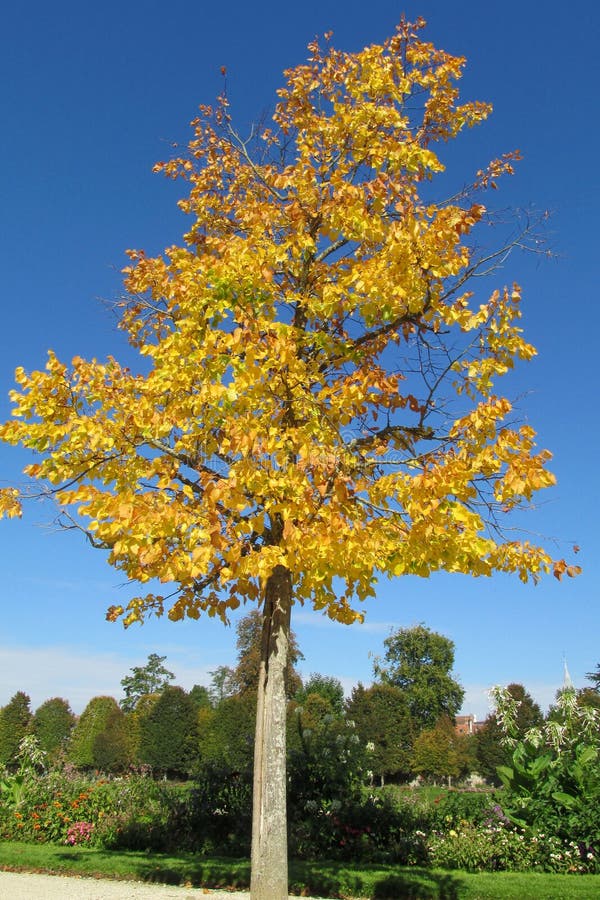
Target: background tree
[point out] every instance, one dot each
(148, 679)
(441, 753)
(321, 336)
(227, 736)
(113, 748)
(200, 696)
(134, 720)
(169, 733)
(589, 697)
(221, 684)
(15, 724)
(491, 752)
(419, 661)
(90, 725)
(594, 677)
(52, 724)
(326, 686)
(382, 716)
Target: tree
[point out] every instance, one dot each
(227, 734)
(326, 686)
(594, 677)
(588, 697)
(440, 752)
(383, 719)
(149, 679)
(245, 675)
(134, 720)
(113, 747)
(15, 723)
(52, 724)
(419, 661)
(221, 684)
(92, 723)
(169, 733)
(200, 696)
(317, 403)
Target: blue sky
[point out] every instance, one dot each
(91, 96)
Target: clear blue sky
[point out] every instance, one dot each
(91, 96)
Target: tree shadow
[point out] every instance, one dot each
(398, 884)
(319, 879)
(421, 885)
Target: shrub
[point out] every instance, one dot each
(553, 782)
(503, 847)
(220, 810)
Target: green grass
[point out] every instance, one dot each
(324, 879)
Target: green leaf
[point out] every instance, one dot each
(565, 799)
(506, 775)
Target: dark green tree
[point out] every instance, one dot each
(148, 679)
(419, 661)
(383, 721)
(490, 751)
(134, 719)
(594, 677)
(113, 747)
(15, 723)
(326, 761)
(91, 724)
(589, 697)
(168, 737)
(326, 686)
(227, 733)
(200, 696)
(52, 724)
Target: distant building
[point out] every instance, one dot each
(467, 724)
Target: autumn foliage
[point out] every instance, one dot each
(319, 381)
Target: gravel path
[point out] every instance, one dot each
(23, 886)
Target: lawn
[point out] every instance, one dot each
(323, 878)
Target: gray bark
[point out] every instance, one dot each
(269, 878)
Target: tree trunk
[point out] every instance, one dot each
(269, 878)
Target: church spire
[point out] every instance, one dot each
(567, 680)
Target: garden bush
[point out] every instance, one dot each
(131, 813)
(500, 846)
(220, 810)
(553, 782)
(332, 815)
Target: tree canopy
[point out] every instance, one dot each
(420, 661)
(383, 719)
(52, 724)
(316, 402)
(326, 686)
(94, 721)
(168, 738)
(440, 752)
(318, 388)
(594, 677)
(149, 679)
(15, 723)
